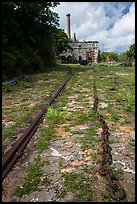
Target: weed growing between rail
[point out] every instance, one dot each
(45, 139)
(26, 98)
(32, 180)
(55, 116)
(74, 109)
(127, 98)
(79, 185)
(119, 111)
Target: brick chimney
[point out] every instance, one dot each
(68, 26)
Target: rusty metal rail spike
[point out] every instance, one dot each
(16, 151)
(115, 189)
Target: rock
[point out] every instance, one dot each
(89, 163)
(90, 151)
(122, 74)
(67, 146)
(10, 123)
(77, 163)
(57, 154)
(67, 170)
(51, 196)
(68, 197)
(61, 132)
(103, 105)
(81, 152)
(133, 136)
(88, 158)
(13, 200)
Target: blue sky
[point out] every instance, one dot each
(112, 24)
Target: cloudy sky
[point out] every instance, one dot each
(112, 24)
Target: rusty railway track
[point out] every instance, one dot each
(116, 191)
(12, 155)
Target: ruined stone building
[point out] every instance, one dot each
(86, 50)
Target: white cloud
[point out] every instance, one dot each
(125, 25)
(106, 22)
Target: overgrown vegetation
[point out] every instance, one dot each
(30, 37)
(126, 59)
(55, 116)
(128, 98)
(19, 107)
(32, 180)
(79, 185)
(45, 139)
(74, 108)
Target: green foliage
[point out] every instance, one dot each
(112, 55)
(32, 179)
(61, 41)
(8, 64)
(131, 52)
(99, 56)
(104, 56)
(127, 58)
(127, 98)
(28, 43)
(79, 185)
(6, 132)
(114, 115)
(45, 139)
(55, 116)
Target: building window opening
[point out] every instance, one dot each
(80, 58)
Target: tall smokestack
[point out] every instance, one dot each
(75, 37)
(68, 25)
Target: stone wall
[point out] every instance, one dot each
(82, 51)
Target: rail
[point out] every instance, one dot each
(16, 151)
(115, 189)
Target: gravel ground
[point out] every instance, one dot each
(65, 153)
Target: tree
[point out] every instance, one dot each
(27, 36)
(99, 56)
(11, 35)
(128, 57)
(113, 56)
(131, 52)
(104, 56)
(61, 41)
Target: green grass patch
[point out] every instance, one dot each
(46, 182)
(67, 128)
(128, 99)
(82, 118)
(32, 180)
(94, 156)
(55, 116)
(8, 132)
(106, 197)
(90, 139)
(45, 139)
(132, 143)
(37, 86)
(62, 193)
(76, 132)
(114, 115)
(20, 85)
(117, 174)
(79, 185)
